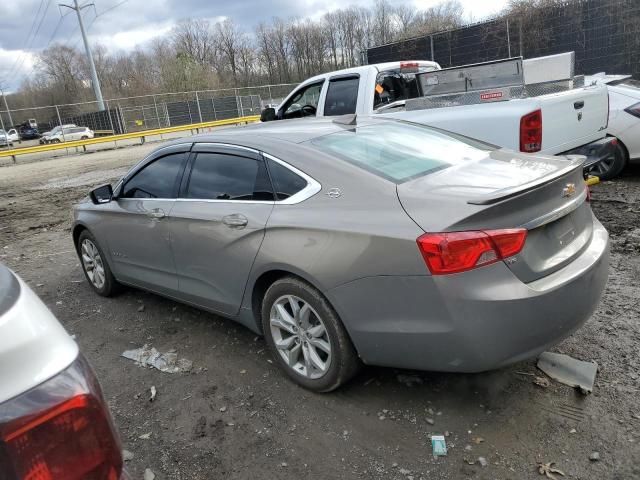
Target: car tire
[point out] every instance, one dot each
(55, 140)
(84, 137)
(314, 330)
(95, 266)
(612, 166)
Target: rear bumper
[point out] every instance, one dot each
(471, 322)
(594, 151)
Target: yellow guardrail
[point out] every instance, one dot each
(125, 136)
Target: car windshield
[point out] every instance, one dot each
(400, 151)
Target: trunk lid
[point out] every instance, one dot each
(545, 195)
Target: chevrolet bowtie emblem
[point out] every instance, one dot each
(569, 190)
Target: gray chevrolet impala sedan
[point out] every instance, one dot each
(356, 240)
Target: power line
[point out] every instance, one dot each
(33, 24)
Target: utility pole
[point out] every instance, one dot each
(6, 107)
(92, 66)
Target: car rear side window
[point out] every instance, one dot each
(218, 176)
(158, 179)
(285, 182)
(342, 96)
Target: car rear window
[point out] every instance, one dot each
(400, 151)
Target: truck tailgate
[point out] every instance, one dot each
(573, 118)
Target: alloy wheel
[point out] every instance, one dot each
(92, 263)
(300, 336)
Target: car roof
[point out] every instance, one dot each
(290, 131)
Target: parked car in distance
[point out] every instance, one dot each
(69, 134)
(55, 130)
(54, 421)
(357, 238)
(624, 121)
(5, 139)
(28, 133)
(13, 136)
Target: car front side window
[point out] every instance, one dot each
(158, 179)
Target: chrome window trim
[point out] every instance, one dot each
(313, 186)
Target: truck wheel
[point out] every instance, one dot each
(612, 166)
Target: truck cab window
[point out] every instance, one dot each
(303, 103)
(342, 96)
(397, 84)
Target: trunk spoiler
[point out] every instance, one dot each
(573, 163)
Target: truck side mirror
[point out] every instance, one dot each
(268, 114)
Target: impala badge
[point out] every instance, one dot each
(334, 192)
(569, 190)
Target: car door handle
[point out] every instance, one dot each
(156, 214)
(235, 220)
(578, 105)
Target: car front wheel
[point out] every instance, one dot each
(306, 337)
(95, 266)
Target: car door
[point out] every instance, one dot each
(136, 222)
(218, 223)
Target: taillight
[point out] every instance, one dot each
(633, 110)
(60, 429)
(453, 252)
(531, 132)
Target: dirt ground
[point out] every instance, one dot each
(236, 416)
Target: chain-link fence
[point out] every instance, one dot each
(134, 114)
(604, 34)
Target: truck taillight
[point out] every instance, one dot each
(454, 252)
(531, 132)
(60, 429)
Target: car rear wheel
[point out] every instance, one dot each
(84, 137)
(55, 140)
(306, 337)
(612, 166)
(95, 266)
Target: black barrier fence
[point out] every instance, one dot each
(604, 34)
(207, 109)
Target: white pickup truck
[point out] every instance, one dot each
(570, 120)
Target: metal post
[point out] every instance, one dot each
(2, 126)
(92, 66)
(508, 40)
(155, 105)
(4, 97)
(433, 58)
(60, 123)
(123, 122)
(198, 103)
(213, 104)
(270, 96)
(238, 106)
(113, 131)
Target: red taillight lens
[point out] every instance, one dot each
(531, 132)
(60, 429)
(454, 252)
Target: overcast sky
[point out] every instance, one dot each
(124, 25)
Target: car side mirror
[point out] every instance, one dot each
(103, 194)
(268, 114)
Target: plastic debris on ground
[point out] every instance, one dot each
(438, 445)
(148, 474)
(548, 470)
(153, 393)
(569, 371)
(542, 382)
(168, 362)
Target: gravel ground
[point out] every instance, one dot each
(236, 416)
